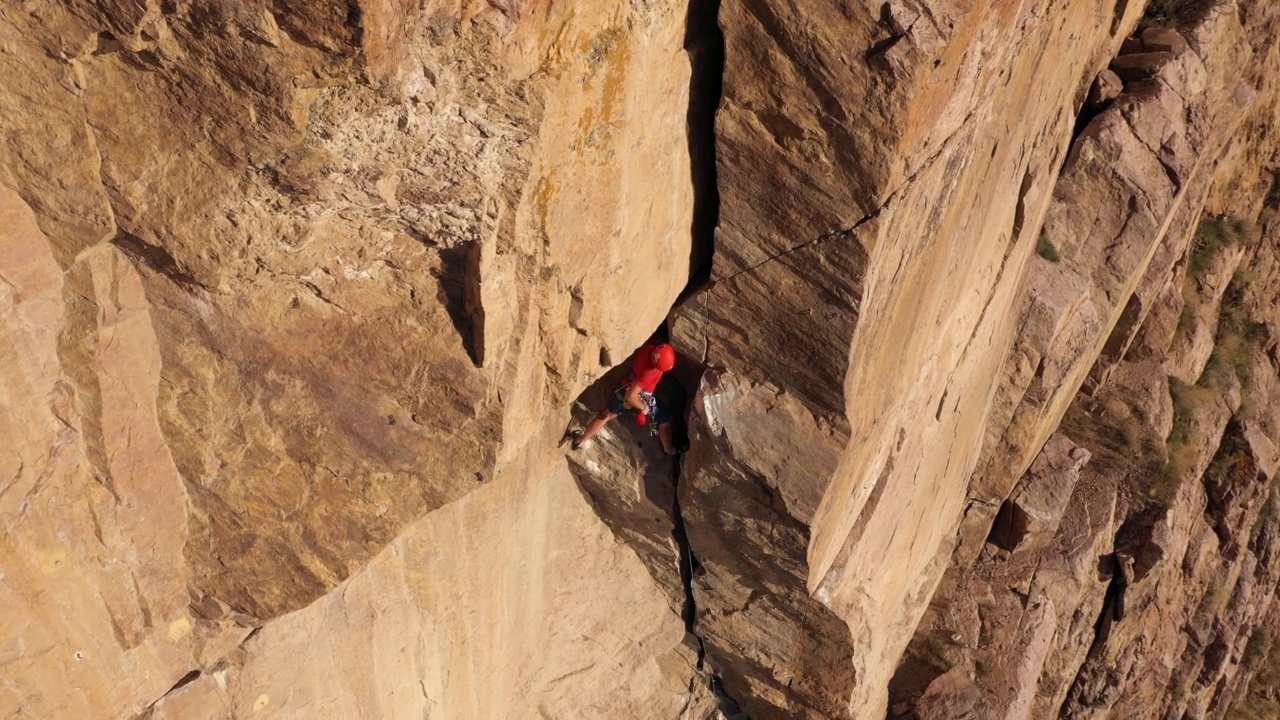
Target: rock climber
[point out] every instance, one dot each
(652, 360)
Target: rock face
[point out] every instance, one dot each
(279, 283)
(978, 371)
(952, 349)
(1171, 576)
(897, 226)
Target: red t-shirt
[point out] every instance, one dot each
(646, 374)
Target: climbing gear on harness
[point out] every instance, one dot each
(650, 413)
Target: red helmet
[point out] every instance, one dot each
(663, 357)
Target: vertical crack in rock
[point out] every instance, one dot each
(689, 613)
(705, 44)
(634, 489)
(686, 560)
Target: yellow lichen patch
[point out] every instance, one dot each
(599, 49)
(52, 562)
(180, 628)
(608, 51)
(551, 40)
(585, 125)
(542, 197)
(614, 78)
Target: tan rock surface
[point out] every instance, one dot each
(297, 297)
(92, 564)
(306, 275)
(883, 233)
(1120, 224)
(1160, 627)
(430, 628)
(916, 318)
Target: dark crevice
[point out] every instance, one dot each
(1010, 526)
(688, 563)
(156, 258)
(459, 292)
(705, 44)
(674, 392)
(355, 21)
(1113, 602)
(1020, 210)
(688, 568)
(1089, 107)
(1084, 117)
(1117, 16)
(183, 681)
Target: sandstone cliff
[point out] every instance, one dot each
(976, 304)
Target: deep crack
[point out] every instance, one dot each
(688, 563)
(685, 560)
(182, 682)
(704, 43)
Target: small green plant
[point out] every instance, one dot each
(1179, 13)
(1188, 402)
(1238, 342)
(1212, 236)
(1123, 444)
(1045, 249)
(1256, 648)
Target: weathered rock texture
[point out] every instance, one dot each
(1139, 596)
(880, 284)
(913, 154)
(281, 281)
(981, 386)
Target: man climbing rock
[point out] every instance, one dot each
(651, 361)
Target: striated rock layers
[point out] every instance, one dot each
(979, 365)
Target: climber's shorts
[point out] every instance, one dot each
(657, 413)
